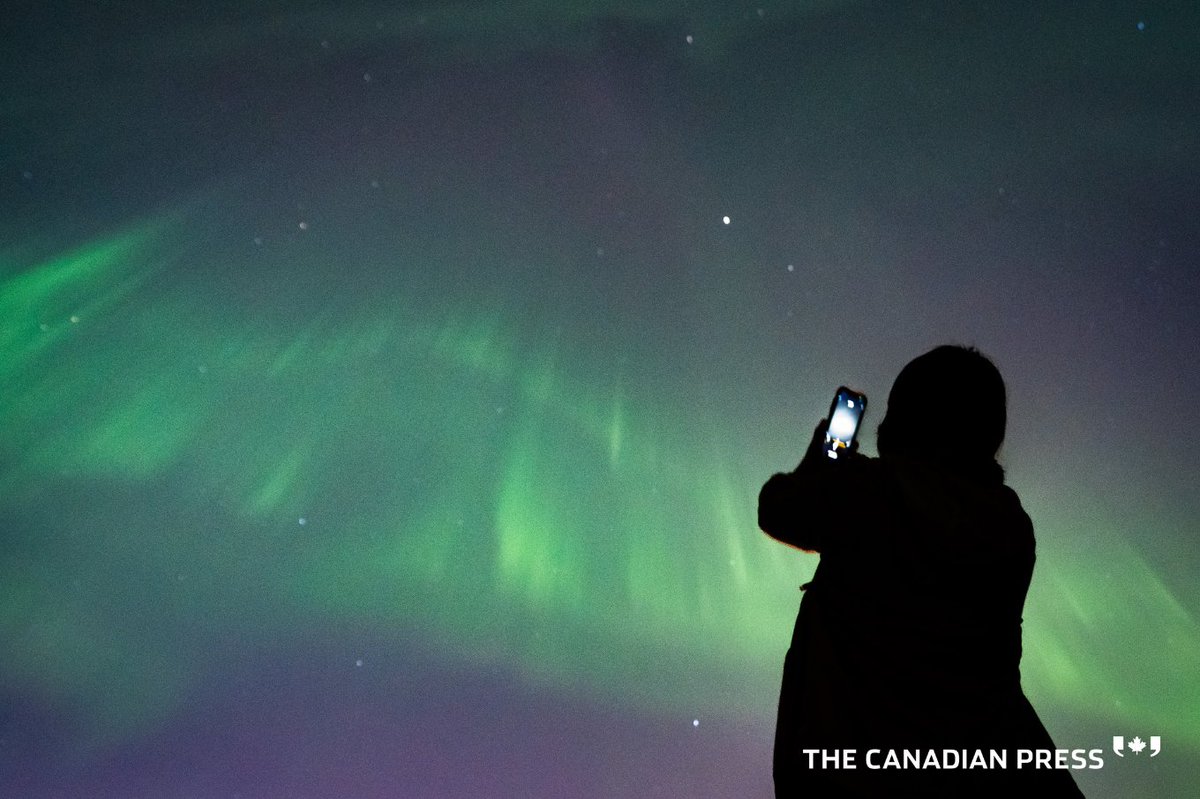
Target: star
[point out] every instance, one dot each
(1137, 745)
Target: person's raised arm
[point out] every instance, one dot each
(800, 508)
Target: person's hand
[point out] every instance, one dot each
(816, 447)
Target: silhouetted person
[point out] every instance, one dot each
(909, 635)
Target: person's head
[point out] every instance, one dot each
(948, 405)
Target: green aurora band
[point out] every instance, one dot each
(192, 475)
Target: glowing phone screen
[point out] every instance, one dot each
(847, 411)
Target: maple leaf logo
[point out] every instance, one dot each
(1137, 745)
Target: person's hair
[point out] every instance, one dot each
(948, 405)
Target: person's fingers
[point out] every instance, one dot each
(818, 441)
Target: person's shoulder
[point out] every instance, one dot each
(956, 498)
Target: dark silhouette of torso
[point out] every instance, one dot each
(909, 635)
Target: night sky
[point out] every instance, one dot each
(387, 388)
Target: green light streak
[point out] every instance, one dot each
(499, 499)
(616, 429)
(51, 310)
(279, 484)
(1113, 640)
(49, 297)
(534, 557)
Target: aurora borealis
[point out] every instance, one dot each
(386, 395)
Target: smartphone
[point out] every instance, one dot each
(845, 414)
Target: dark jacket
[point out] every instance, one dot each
(909, 635)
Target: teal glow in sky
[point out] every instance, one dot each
(398, 394)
